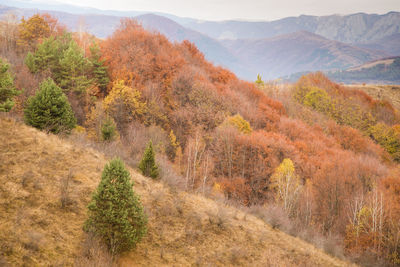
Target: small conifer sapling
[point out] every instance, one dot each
(148, 165)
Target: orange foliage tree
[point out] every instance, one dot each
(36, 28)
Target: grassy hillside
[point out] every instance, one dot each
(184, 229)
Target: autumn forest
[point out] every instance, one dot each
(323, 157)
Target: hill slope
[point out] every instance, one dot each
(183, 229)
(390, 44)
(390, 93)
(383, 71)
(295, 52)
(211, 48)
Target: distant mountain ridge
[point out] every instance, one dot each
(289, 53)
(354, 28)
(383, 71)
(273, 49)
(390, 44)
(212, 49)
(271, 57)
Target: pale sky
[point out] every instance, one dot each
(245, 9)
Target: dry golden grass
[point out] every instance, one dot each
(184, 229)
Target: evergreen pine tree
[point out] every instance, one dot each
(73, 69)
(49, 109)
(98, 69)
(45, 57)
(148, 165)
(115, 211)
(108, 129)
(7, 88)
(65, 61)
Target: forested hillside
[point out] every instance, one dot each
(314, 158)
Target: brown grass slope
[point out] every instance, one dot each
(184, 229)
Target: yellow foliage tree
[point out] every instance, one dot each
(172, 146)
(33, 30)
(259, 81)
(287, 185)
(123, 103)
(239, 123)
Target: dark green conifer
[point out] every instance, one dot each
(49, 109)
(73, 71)
(99, 70)
(7, 88)
(45, 57)
(108, 129)
(115, 211)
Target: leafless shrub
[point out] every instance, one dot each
(78, 106)
(94, 254)
(79, 138)
(273, 215)
(332, 246)
(21, 215)
(257, 210)
(194, 220)
(33, 241)
(136, 136)
(193, 234)
(29, 180)
(65, 188)
(157, 195)
(112, 149)
(199, 261)
(167, 210)
(311, 236)
(179, 205)
(169, 176)
(193, 227)
(273, 259)
(26, 178)
(368, 259)
(3, 262)
(219, 218)
(238, 253)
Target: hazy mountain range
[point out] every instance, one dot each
(273, 49)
